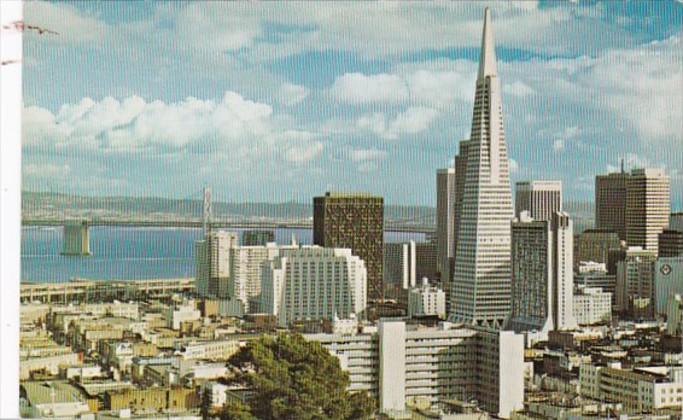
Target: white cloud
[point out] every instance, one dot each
(412, 120)
(518, 89)
(291, 94)
(558, 145)
(46, 170)
(360, 88)
(71, 24)
(304, 152)
(362, 155)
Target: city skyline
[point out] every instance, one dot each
(379, 106)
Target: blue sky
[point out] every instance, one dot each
(282, 101)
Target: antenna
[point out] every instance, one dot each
(206, 215)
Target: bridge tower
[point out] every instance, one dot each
(206, 214)
(76, 238)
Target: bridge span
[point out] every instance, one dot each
(388, 227)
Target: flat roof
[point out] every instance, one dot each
(41, 392)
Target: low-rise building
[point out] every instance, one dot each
(427, 301)
(51, 399)
(592, 306)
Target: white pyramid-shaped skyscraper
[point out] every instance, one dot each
(481, 279)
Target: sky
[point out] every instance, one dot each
(277, 102)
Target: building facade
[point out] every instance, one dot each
(313, 283)
(610, 202)
(670, 243)
(354, 221)
(540, 198)
(647, 207)
(401, 364)
(592, 306)
(426, 301)
(594, 245)
(212, 263)
(668, 279)
(445, 219)
(257, 237)
(480, 292)
(542, 274)
(635, 283)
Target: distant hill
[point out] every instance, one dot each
(56, 205)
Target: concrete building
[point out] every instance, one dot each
(460, 166)
(542, 275)
(402, 364)
(218, 394)
(426, 301)
(668, 279)
(592, 306)
(540, 198)
(257, 237)
(670, 243)
(184, 312)
(647, 207)
(356, 222)
(639, 390)
(400, 265)
(635, 283)
(313, 283)
(674, 316)
(76, 239)
(209, 349)
(52, 400)
(212, 264)
(592, 277)
(445, 219)
(594, 245)
(480, 290)
(610, 202)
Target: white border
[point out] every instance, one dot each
(10, 207)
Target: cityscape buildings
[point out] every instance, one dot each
(668, 281)
(76, 238)
(540, 198)
(670, 243)
(255, 237)
(635, 283)
(593, 245)
(480, 291)
(610, 202)
(354, 221)
(213, 263)
(426, 300)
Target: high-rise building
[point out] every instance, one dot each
(610, 202)
(354, 221)
(540, 198)
(212, 263)
(670, 243)
(76, 239)
(647, 207)
(460, 166)
(635, 283)
(313, 283)
(592, 305)
(257, 237)
(445, 219)
(542, 274)
(676, 221)
(405, 263)
(480, 292)
(399, 364)
(668, 272)
(594, 245)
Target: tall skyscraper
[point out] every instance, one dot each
(670, 243)
(647, 207)
(540, 198)
(610, 202)
(542, 274)
(460, 166)
(257, 237)
(445, 193)
(212, 263)
(481, 282)
(354, 221)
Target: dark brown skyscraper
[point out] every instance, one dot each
(353, 221)
(610, 202)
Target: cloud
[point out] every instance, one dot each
(358, 88)
(291, 94)
(46, 170)
(362, 155)
(518, 89)
(411, 121)
(558, 145)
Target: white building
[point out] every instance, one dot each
(209, 350)
(542, 275)
(218, 393)
(592, 306)
(184, 312)
(212, 263)
(314, 283)
(401, 364)
(648, 206)
(400, 264)
(594, 275)
(674, 316)
(480, 292)
(639, 390)
(426, 301)
(668, 272)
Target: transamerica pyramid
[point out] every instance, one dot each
(481, 278)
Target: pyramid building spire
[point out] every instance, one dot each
(487, 56)
(480, 289)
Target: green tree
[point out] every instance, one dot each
(297, 379)
(235, 410)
